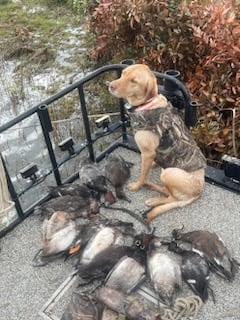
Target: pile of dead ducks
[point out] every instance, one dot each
(116, 260)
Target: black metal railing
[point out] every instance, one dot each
(172, 87)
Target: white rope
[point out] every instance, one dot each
(183, 309)
(5, 203)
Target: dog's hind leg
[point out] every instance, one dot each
(183, 185)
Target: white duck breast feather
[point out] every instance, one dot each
(106, 237)
(61, 240)
(165, 274)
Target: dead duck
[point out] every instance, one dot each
(213, 249)
(75, 206)
(165, 275)
(91, 176)
(58, 233)
(104, 249)
(195, 270)
(109, 233)
(163, 270)
(72, 189)
(132, 307)
(128, 273)
(87, 307)
(82, 306)
(103, 262)
(117, 172)
(62, 237)
(59, 227)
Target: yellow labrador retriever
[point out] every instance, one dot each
(162, 137)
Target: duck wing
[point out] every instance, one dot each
(195, 272)
(72, 189)
(211, 246)
(75, 206)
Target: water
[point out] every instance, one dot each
(21, 90)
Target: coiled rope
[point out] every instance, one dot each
(5, 203)
(183, 309)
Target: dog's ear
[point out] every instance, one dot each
(151, 89)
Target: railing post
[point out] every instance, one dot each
(46, 128)
(86, 123)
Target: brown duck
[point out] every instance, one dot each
(208, 245)
(71, 189)
(92, 176)
(75, 206)
(117, 172)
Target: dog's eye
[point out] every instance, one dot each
(134, 80)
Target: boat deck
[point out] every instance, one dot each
(25, 289)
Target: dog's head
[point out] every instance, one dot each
(137, 85)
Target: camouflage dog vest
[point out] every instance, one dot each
(176, 148)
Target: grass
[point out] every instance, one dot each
(37, 18)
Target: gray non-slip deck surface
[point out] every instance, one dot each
(25, 289)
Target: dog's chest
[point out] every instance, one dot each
(146, 119)
(164, 122)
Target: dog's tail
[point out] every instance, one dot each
(168, 206)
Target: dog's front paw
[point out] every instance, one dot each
(134, 186)
(152, 202)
